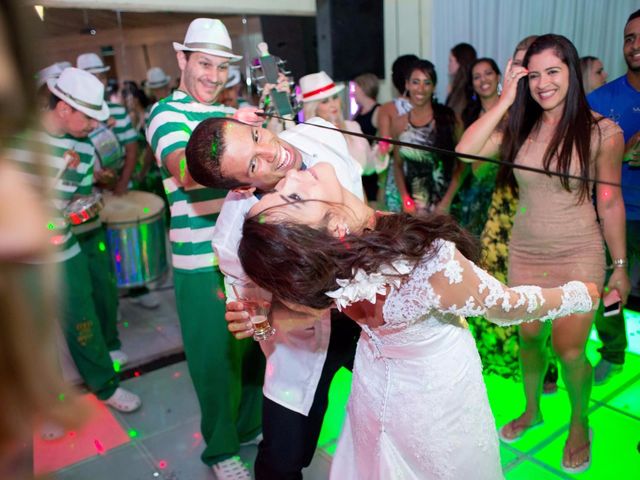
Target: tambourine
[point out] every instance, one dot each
(83, 209)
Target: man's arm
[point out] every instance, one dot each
(130, 160)
(176, 163)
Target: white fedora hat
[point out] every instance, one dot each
(91, 62)
(207, 35)
(318, 86)
(82, 90)
(52, 71)
(234, 77)
(156, 78)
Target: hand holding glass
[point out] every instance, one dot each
(258, 307)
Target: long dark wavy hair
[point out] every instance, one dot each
(299, 264)
(574, 129)
(460, 94)
(472, 111)
(443, 116)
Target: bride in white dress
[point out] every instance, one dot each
(418, 407)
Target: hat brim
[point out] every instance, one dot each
(100, 115)
(232, 82)
(161, 84)
(322, 95)
(178, 47)
(106, 68)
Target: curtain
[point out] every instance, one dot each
(494, 27)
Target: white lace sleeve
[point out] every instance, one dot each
(465, 289)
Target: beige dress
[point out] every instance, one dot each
(556, 237)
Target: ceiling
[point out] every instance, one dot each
(63, 21)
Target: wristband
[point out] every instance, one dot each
(620, 263)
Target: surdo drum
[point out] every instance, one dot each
(136, 237)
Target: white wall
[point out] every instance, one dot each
(407, 29)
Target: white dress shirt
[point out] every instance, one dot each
(295, 357)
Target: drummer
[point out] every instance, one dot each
(215, 362)
(75, 106)
(121, 128)
(119, 122)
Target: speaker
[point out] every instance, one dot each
(350, 38)
(292, 39)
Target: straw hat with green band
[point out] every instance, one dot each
(82, 90)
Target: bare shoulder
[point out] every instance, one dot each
(398, 124)
(388, 108)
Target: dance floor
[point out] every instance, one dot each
(163, 441)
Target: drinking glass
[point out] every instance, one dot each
(257, 303)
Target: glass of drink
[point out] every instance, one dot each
(257, 303)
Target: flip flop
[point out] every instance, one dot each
(584, 465)
(520, 426)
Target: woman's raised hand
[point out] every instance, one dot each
(512, 76)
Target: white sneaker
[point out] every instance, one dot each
(231, 469)
(50, 431)
(123, 400)
(148, 300)
(119, 356)
(254, 441)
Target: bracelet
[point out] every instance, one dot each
(620, 263)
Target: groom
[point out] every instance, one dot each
(301, 362)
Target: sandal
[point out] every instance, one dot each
(518, 425)
(584, 465)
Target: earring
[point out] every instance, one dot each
(343, 231)
(474, 97)
(499, 89)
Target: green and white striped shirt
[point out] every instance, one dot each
(194, 211)
(123, 128)
(41, 159)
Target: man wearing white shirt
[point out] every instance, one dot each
(301, 363)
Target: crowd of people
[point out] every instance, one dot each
(505, 212)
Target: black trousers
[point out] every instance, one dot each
(290, 439)
(612, 330)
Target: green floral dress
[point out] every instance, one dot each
(498, 346)
(471, 207)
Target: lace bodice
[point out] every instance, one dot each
(449, 285)
(446, 286)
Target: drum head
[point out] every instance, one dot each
(133, 205)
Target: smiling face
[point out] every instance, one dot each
(631, 46)
(548, 80)
(485, 80)
(203, 76)
(304, 196)
(420, 87)
(255, 156)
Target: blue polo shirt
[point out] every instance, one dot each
(619, 101)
